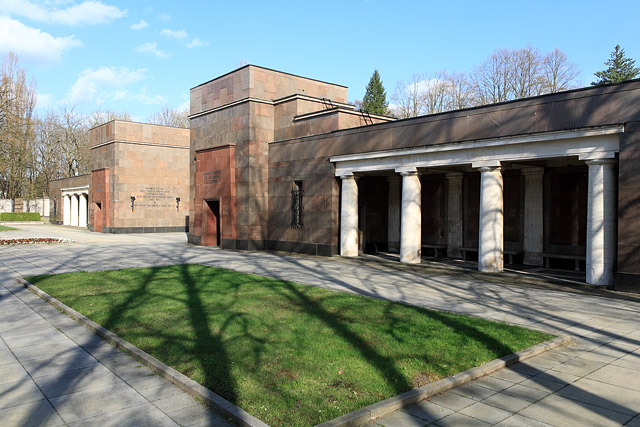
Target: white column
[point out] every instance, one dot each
(601, 222)
(533, 216)
(454, 214)
(490, 245)
(66, 210)
(74, 210)
(393, 221)
(349, 217)
(411, 218)
(82, 214)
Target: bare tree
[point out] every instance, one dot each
(17, 103)
(98, 117)
(524, 73)
(432, 94)
(491, 79)
(407, 99)
(169, 117)
(558, 73)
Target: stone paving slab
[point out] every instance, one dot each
(48, 379)
(39, 413)
(581, 385)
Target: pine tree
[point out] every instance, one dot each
(375, 98)
(620, 69)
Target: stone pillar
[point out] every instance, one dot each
(82, 214)
(454, 214)
(533, 216)
(349, 217)
(601, 222)
(393, 221)
(66, 210)
(74, 210)
(411, 218)
(490, 245)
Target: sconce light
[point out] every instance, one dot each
(133, 200)
(177, 203)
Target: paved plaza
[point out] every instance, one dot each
(56, 372)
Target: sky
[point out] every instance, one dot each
(140, 56)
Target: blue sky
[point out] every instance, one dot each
(138, 56)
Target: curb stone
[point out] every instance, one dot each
(183, 382)
(358, 417)
(372, 412)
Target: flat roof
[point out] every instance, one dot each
(268, 69)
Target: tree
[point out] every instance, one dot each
(169, 117)
(558, 73)
(619, 69)
(18, 172)
(408, 98)
(375, 98)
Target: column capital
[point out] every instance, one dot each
(486, 169)
(407, 171)
(348, 177)
(598, 162)
(489, 165)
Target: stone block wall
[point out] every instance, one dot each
(147, 162)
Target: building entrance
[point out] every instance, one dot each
(211, 226)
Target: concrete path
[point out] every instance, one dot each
(594, 382)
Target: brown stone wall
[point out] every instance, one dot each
(118, 130)
(261, 83)
(294, 161)
(628, 275)
(100, 209)
(215, 180)
(220, 128)
(148, 162)
(55, 194)
(155, 176)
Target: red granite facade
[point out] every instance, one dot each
(214, 206)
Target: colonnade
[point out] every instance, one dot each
(75, 208)
(405, 193)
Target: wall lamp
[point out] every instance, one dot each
(133, 201)
(177, 203)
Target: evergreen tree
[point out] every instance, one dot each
(375, 99)
(620, 69)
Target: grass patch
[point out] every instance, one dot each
(5, 228)
(287, 353)
(20, 216)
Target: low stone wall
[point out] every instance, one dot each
(41, 205)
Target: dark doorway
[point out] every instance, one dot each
(211, 229)
(373, 207)
(97, 217)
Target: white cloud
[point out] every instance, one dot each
(196, 42)
(165, 17)
(140, 25)
(89, 12)
(152, 48)
(176, 34)
(33, 45)
(144, 98)
(103, 84)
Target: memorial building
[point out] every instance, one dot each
(282, 162)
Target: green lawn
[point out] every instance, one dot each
(287, 353)
(5, 228)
